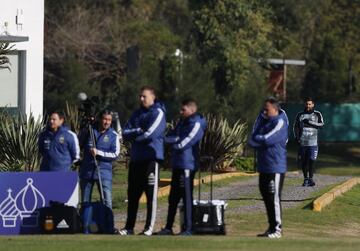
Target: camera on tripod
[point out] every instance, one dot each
(89, 108)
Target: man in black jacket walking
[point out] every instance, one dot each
(306, 126)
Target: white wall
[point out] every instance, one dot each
(32, 27)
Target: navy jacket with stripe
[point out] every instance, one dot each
(271, 145)
(185, 140)
(108, 150)
(146, 131)
(58, 149)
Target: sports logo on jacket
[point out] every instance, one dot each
(62, 139)
(106, 138)
(47, 143)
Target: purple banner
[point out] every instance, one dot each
(22, 194)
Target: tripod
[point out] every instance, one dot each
(93, 141)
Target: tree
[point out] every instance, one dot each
(335, 54)
(231, 37)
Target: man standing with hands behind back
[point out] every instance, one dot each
(145, 130)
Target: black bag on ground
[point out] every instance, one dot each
(59, 219)
(208, 215)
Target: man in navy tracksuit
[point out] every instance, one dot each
(145, 130)
(184, 140)
(58, 145)
(269, 138)
(105, 150)
(306, 126)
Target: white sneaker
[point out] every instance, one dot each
(125, 231)
(275, 235)
(147, 232)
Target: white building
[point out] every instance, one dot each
(22, 23)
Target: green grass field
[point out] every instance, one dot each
(337, 227)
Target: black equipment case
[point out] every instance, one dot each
(208, 216)
(59, 219)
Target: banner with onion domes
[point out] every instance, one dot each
(22, 194)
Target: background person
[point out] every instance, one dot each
(105, 150)
(145, 130)
(269, 138)
(58, 146)
(306, 126)
(184, 139)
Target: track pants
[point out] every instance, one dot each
(143, 177)
(308, 156)
(182, 185)
(270, 185)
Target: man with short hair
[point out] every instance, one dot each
(106, 150)
(145, 130)
(306, 126)
(269, 138)
(58, 145)
(184, 139)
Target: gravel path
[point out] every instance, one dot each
(293, 194)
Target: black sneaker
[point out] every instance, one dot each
(311, 182)
(186, 233)
(306, 182)
(125, 231)
(165, 231)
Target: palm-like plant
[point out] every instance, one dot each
(5, 48)
(222, 141)
(73, 117)
(19, 142)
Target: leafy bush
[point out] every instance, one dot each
(245, 164)
(18, 142)
(222, 141)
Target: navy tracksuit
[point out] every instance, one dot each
(269, 138)
(58, 149)
(146, 131)
(185, 139)
(108, 150)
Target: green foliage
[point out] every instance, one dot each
(221, 41)
(231, 36)
(222, 141)
(335, 54)
(325, 33)
(245, 164)
(5, 48)
(19, 142)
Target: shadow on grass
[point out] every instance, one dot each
(309, 206)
